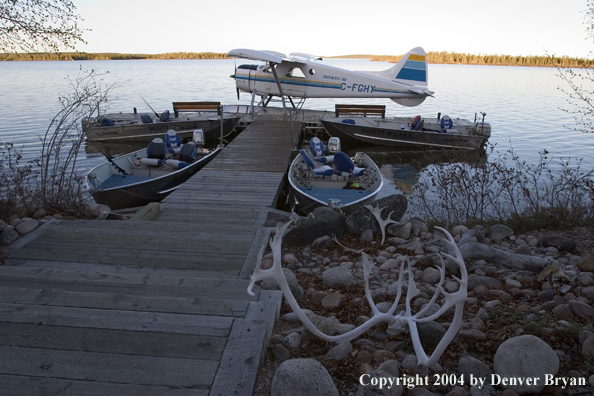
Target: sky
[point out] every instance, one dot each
(332, 28)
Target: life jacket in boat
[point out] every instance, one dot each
(417, 123)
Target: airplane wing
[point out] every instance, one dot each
(265, 56)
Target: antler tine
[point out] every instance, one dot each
(394, 321)
(377, 213)
(456, 299)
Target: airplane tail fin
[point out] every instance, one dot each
(412, 68)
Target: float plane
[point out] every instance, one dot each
(306, 76)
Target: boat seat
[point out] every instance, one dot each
(155, 153)
(345, 166)
(319, 151)
(187, 152)
(173, 142)
(446, 123)
(322, 171)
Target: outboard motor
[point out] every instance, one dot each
(198, 137)
(334, 145)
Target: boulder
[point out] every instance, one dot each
(558, 241)
(363, 219)
(499, 232)
(470, 366)
(297, 377)
(27, 226)
(325, 222)
(8, 236)
(586, 264)
(523, 357)
(338, 276)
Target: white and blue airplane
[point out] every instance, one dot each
(306, 76)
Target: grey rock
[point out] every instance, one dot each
(400, 230)
(486, 390)
(8, 236)
(588, 347)
(98, 210)
(562, 311)
(586, 264)
(297, 377)
(558, 241)
(588, 292)
(431, 333)
(363, 219)
(411, 365)
(469, 365)
(499, 232)
(292, 341)
(338, 276)
(27, 226)
(323, 242)
(366, 236)
(325, 222)
(280, 352)
(325, 325)
(292, 316)
(524, 249)
(332, 300)
(340, 351)
(475, 280)
(431, 275)
(580, 309)
(418, 225)
(525, 356)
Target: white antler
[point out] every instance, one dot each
(377, 212)
(395, 321)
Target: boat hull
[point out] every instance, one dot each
(129, 127)
(397, 132)
(312, 193)
(127, 191)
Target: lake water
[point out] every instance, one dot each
(522, 103)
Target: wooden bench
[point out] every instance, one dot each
(194, 106)
(360, 110)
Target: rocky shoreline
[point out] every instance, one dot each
(528, 313)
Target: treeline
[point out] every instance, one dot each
(69, 56)
(502, 60)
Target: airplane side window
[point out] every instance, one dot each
(312, 71)
(296, 73)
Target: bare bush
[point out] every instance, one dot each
(53, 181)
(61, 187)
(17, 181)
(507, 190)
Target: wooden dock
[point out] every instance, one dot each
(100, 307)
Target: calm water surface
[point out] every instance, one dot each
(522, 103)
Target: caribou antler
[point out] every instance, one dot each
(377, 212)
(395, 321)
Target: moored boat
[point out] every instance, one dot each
(145, 127)
(148, 175)
(408, 132)
(344, 183)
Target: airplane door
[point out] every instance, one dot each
(294, 82)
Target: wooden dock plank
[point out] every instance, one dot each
(18, 385)
(107, 367)
(153, 307)
(66, 338)
(205, 325)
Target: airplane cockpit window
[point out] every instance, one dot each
(296, 73)
(265, 69)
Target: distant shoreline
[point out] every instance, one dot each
(432, 57)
